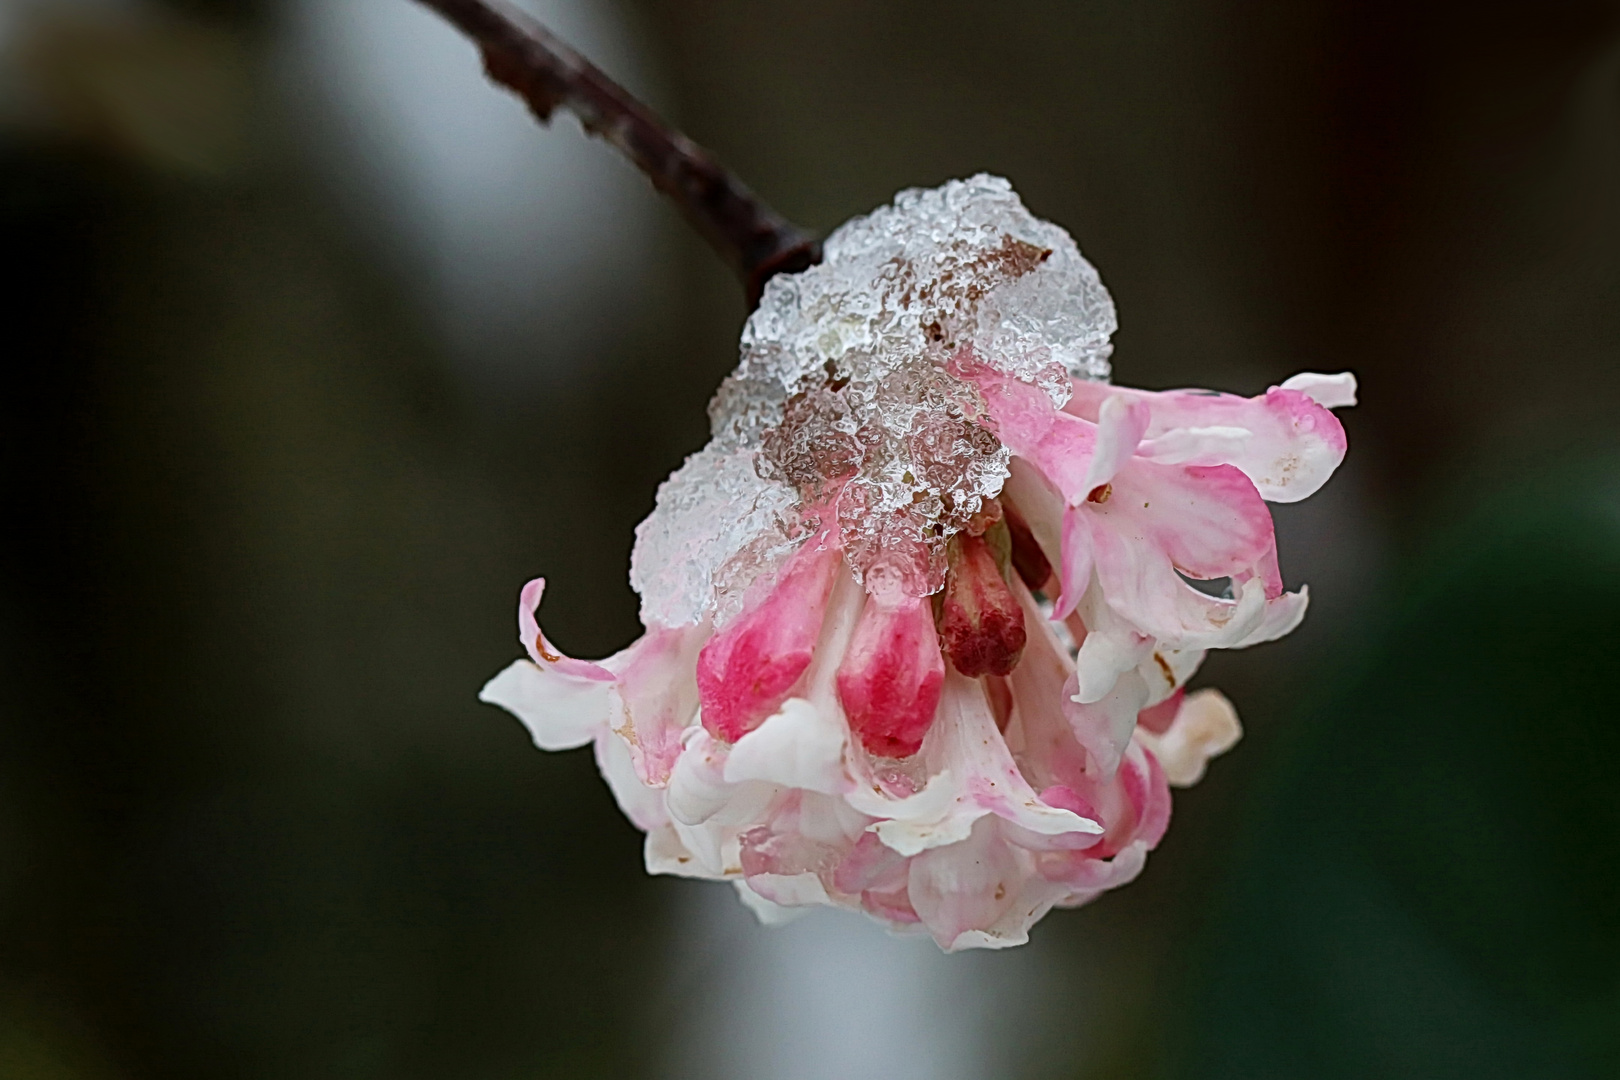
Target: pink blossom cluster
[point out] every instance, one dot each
(958, 757)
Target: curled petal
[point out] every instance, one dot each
(1168, 521)
(1205, 726)
(976, 776)
(768, 912)
(1134, 805)
(541, 651)
(1282, 616)
(1208, 521)
(789, 891)
(932, 817)
(1087, 879)
(698, 789)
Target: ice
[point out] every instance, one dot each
(842, 406)
(716, 526)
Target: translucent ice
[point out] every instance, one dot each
(842, 404)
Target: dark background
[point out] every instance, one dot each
(288, 416)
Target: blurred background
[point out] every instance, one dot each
(317, 347)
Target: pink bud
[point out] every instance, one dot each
(890, 680)
(981, 625)
(748, 669)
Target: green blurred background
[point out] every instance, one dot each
(316, 347)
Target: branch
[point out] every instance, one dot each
(523, 55)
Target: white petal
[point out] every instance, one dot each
(1329, 391)
(1282, 615)
(1104, 656)
(665, 854)
(933, 816)
(789, 890)
(1196, 445)
(1121, 423)
(766, 912)
(1205, 726)
(560, 711)
(800, 746)
(1104, 727)
(697, 785)
(714, 848)
(1166, 670)
(644, 806)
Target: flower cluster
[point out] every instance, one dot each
(920, 617)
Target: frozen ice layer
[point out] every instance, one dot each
(689, 562)
(842, 409)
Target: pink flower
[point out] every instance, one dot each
(920, 618)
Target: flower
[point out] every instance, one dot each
(921, 616)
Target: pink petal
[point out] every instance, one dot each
(1205, 522)
(657, 697)
(1209, 521)
(1076, 563)
(1121, 423)
(1294, 442)
(1156, 719)
(967, 886)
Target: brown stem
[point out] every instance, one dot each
(523, 55)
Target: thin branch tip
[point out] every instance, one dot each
(520, 53)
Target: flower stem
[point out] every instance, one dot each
(529, 59)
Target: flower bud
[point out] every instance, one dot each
(748, 669)
(981, 625)
(890, 680)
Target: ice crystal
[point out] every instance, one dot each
(842, 407)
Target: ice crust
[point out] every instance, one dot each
(842, 407)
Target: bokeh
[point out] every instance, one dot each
(317, 347)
